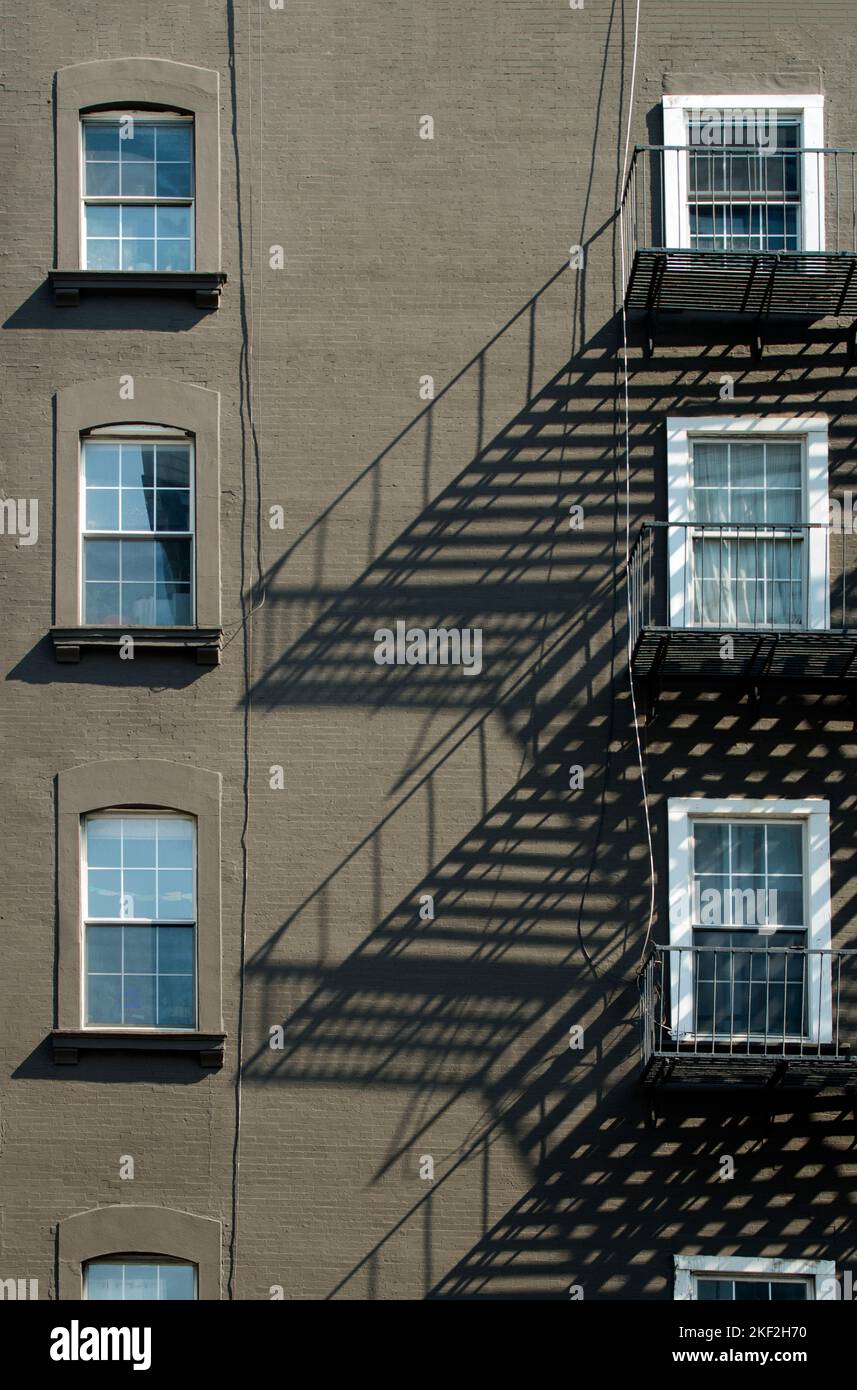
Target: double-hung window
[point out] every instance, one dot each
(131, 1278)
(750, 958)
(139, 921)
(137, 192)
(744, 195)
(748, 916)
(138, 527)
(744, 174)
(748, 532)
(747, 551)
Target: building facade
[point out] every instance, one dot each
(427, 635)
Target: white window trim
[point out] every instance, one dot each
(816, 817)
(813, 430)
(821, 1273)
(675, 119)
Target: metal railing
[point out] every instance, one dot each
(739, 199)
(760, 576)
(748, 1001)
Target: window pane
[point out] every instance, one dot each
(175, 893)
(102, 180)
(751, 1290)
(101, 464)
(177, 1282)
(101, 559)
(138, 888)
(102, 255)
(719, 1290)
(710, 847)
(101, 141)
(174, 181)
(138, 509)
(104, 892)
(174, 222)
(173, 510)
(748, 849)
(174, 142)
(136, 140)
(173, 605)
(104, 1281)
(782, 1292)
(710, 464)
(102, 509)
(102, 604)
(141, 1282)
(175, 843)
(173, 465)
(104, 842)
(173, 255)
(138, 560)
(175, 950)
(138, 222)
(104, 950)
(138, 604)
(102, 220)
(138, 180)
(138, 465)
(139, 841)
(139, 949)
(104, 1000)
(138, 255)
(173, 561)
(175, 1001)
(785, 849)
(139, 999)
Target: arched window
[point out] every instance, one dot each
(138, 1252)
(139, 909)
(137, 507)
(138, 179)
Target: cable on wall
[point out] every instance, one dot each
(627, 431)
(250, 601)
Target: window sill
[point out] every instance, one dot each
(203, 285)
(68, 1045)
(206, 642)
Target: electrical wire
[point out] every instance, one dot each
(627, 429)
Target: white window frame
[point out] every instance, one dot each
(135, 434)
(820, 1274)
(115, 116)
(815, 817)
(812, 430)
(86, 920)
(676, 111)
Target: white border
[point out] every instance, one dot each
(814, 431)
(688, 1267)
(675, 108)
(816, 817)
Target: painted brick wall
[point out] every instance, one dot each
(406, 1038)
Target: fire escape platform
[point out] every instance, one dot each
(764, 284)
(753, 1070)
(828, 657)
